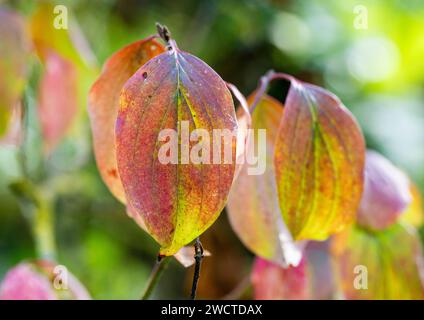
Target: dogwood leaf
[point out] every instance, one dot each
(319, 159)
(103, 106)
(178, 198)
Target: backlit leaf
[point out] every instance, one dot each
(14, 57)
(253, 207)
(319, 159)
(177, 201)
(385, 264)
(103, 107)
(386, 193)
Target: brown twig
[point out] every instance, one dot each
(198, 256)
(264, 84)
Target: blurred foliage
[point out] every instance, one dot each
(377, 72)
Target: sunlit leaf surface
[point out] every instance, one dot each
(319, 159)
(104, 104)
(253, 207)
(385, 264)
(177, 201)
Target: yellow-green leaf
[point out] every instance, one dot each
(319, 161)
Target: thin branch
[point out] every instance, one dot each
(264, 84)
(198, 256)
(157, 271)
(243, 103)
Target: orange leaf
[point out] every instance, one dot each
(103, 105)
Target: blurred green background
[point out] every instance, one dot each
(378, 72)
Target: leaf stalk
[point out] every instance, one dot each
(157, 271)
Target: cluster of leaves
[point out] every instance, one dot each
(319, 183)
(314, 175)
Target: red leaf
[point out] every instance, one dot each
(178, 202)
